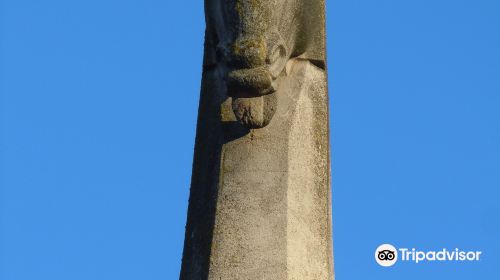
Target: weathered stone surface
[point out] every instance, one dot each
(260, 194)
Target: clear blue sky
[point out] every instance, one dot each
(98, 104)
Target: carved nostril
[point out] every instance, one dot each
(277, 60)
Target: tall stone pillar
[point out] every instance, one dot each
(260, 202)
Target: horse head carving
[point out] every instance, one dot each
(251, 41)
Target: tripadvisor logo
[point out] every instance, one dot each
(388, 255)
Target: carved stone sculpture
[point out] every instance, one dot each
(260, 197)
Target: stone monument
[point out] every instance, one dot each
(260, 201)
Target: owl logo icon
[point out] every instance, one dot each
(386, 255)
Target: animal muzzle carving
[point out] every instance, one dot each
(244, 40)
(252, 81)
